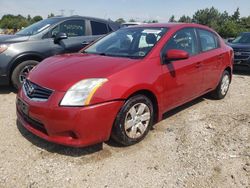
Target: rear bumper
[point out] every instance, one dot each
(71, 126)
(242, 63)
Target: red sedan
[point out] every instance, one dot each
(122, 84)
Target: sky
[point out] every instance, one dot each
(139, 10)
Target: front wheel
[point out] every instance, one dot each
(21, 71)
(134, 121)
(221, 91)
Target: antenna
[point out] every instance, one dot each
(72, 12)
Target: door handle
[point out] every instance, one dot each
(198, 65)
(85, 43)
(220, 56)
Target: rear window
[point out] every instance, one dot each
(98, 28)
(209, 40)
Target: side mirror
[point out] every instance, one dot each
(174, 55)
(230, 40)
(59, 37)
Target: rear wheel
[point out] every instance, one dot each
(221, 91)
(21, 71)
(134, 121)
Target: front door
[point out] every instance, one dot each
(182, 78)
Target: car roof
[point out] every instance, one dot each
(81, 17)
(174, 25)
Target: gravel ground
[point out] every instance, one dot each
(205, 143)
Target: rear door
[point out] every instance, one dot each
(183, 78)
(76, 31)
(212, 56)
(98, 29)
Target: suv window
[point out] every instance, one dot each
(184, 39)
(209, 40)
(73, 28)
(98, 28)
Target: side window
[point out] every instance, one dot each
(209, 40)
(73, 28)
(184, 39)
(98, 28)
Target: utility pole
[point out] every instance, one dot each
(62, 12)
(72, 12)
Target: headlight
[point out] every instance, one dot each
(81, 93)
(3, 47)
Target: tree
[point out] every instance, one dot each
(229, 29)
(13, 22)
(245, 23)
(51, 15)
(120, 21)
(206, 16)
(29, 18)
(236, 15)
(132, 20)
(36, 19)
(185, 19)
(150, 21)
(172, 19)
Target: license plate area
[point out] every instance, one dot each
(23, 107)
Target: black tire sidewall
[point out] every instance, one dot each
(118, 132)
(15, 74)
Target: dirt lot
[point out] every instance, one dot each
(205, 143)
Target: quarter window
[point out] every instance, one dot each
(73, 28)
(98, 28)
(184, 39)
(209, 40)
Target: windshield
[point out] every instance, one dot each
(244, 38)
(128, 42)
(37, 27)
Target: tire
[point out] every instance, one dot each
(133, 121)
(22, 71)
(221, 91)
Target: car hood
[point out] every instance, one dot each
(61, 72)
(12, 38)
(240, 46)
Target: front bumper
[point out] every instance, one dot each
(242, 59)
(4, 80)
(71, 126)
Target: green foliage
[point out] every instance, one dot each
(10, 21)
(120, 20)
(226, 25)
(36, 19)
(51, 15)
(150, 21)
(13, 22)
(172, 19)
(132, 20)
(185, 19)
(229, 29)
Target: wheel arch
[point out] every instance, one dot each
(152, 97)
(21, 58)
(229, 69)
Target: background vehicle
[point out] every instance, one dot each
(241, 47)
(123, 83)
(19, 53)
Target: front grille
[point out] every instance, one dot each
(36, 92)
(241, 54)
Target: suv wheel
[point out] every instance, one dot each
(21, 71)
(221, 91)
(134, 121)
